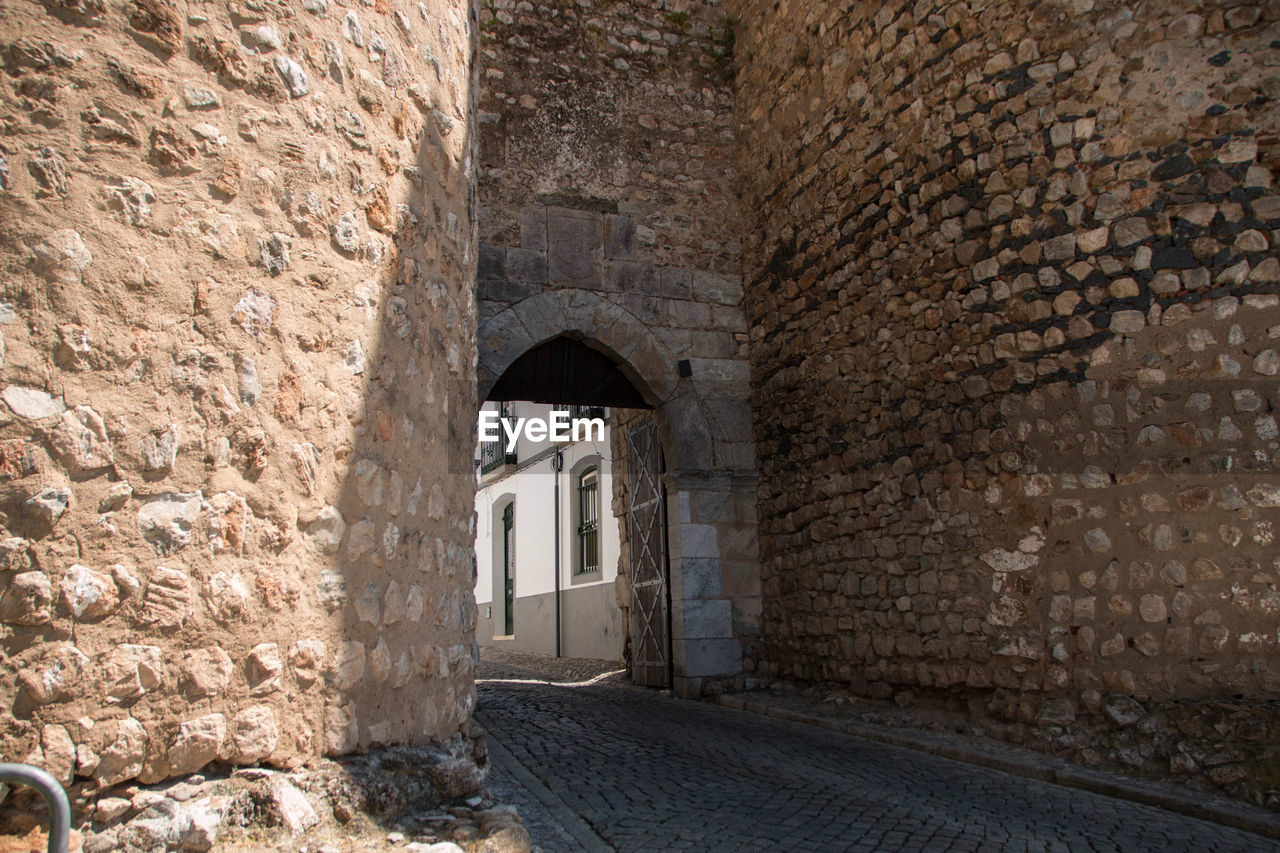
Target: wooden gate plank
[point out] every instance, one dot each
(646, 518)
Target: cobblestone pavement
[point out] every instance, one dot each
(610, 766)
(503, 664)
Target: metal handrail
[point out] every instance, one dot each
(54, 795)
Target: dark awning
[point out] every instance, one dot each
(564, 370)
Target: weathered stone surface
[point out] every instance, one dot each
(307, 658)
(255, 311)
(1090, 267)
(227, 597)
(130, 670)
(341, 729)
(131, 197)
(196, 824)
(379, 661)
(156, 22)
(116, 497)
(31, 403)
(160, 449)
(108, 809)
(263, 669)
(198, 742)
(17, 459)
(169, 599)
(296, 812)
(47, 506)
(346, 233)
(294, 76)
(62, 251)
(206, 672)
(511, 838)
(81, 439)
(121, 759)
(176, 301)
(168, 521)
(126, 582)
(55, 673)
(229, 518)
(15, 554)
(1123, 711)
(58, 753)
(368, 605)
(27, 600)
(89, 594)
(254, 734)
(349, 666)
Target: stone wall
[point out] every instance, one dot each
(237, 320)
(620, 107)
(1012, 279)
(607, 212)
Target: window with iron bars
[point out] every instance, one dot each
(586, 411)
(589, 521)
(493, 454)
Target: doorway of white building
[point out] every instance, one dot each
(548, 543)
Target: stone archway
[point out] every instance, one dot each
(715, 586)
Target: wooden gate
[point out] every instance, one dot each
(647, 528)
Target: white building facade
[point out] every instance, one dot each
(547, 541)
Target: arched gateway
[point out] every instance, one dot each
(573, 346)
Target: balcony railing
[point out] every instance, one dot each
(493, 456)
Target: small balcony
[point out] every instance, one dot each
(493, 457)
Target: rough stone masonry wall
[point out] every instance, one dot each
(1012, 277)
(608, 210)
(619, 107)
(237, 321)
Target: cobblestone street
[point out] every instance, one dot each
(608, 766)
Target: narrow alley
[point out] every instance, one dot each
(607, 766)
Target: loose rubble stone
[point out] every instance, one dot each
(196, 824)
(457, 778)
(296, 812)
(109, 809)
